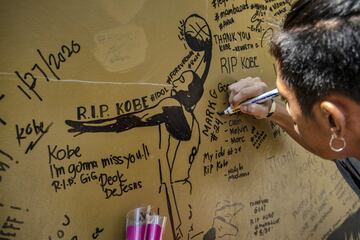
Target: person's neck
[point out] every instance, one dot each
(353, 125)
(356, 154)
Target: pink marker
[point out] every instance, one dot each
(142, 225)
(136, 223)
(155, 226)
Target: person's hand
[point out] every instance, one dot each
(248, 88)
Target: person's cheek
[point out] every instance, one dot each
(296, 127)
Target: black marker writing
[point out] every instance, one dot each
(32, 144)
(59, 153)
(61, 233)
(10, 228)
(29, 79)
(97, 232)
(3, 165)
(1, 120)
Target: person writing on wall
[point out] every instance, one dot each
(317, 55)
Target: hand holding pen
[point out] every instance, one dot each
(249, 96)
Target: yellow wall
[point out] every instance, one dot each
(110, 105)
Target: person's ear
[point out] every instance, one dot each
(335, 116)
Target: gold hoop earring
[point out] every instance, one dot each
(331, 143)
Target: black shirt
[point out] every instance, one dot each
(350, 170)
(350, 228)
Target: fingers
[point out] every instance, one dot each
(246, 93)
(244, 89)
(248, 88)
(259, 111)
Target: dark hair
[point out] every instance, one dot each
(318, 50)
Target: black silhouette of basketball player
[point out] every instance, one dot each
(175, 112)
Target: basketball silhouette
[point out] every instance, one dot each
(197, 33)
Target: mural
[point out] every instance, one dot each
(175, 112)
(113, 105)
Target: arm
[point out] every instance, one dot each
(251, 87)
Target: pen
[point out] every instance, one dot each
(259, 99)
